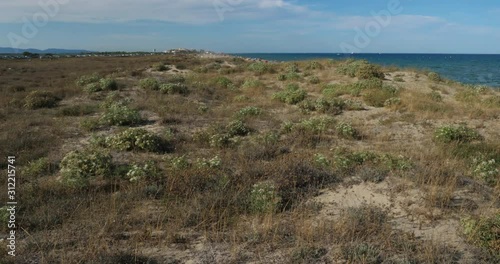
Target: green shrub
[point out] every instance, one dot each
(87, 79)
(291, 95)
(180, 162)
(292, 68)
(393, 101)
(346, 130)
(118, 114)
(176, 78)
(213, 163)
(223, 82)
(368, 71)
(398, 79)
(249, 111)
(486, 169)
(138, 172)
(41, 99)
(92, 88)
(79, 167)
(90, 124)
(149, 84)
(362, 253)
(460, 134)
(220, 140)
(282, 77)
(135, 139)
(260, 68)
(315, 65)
(292, 76)
(237, 128)
(252, 84)
(378, 97)
(160, 67)
(307, 106)
(321, 160)
(108, 84)
(361, 69)
(38, 168)
(434, 77)
(483, 232)
(316, 124)
(174, 88)
(264, 198)
(334, 106)
(314, 80)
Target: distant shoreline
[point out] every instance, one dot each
(477, 69)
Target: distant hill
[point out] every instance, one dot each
(52, 51)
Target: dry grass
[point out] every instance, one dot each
(238, 180)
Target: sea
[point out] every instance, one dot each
(479, 69)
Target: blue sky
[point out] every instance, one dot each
(420, 26)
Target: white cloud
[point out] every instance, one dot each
(179, 11)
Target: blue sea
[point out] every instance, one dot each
(464, 68)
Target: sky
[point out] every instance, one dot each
(249, 26)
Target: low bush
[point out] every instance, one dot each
(378, 97)
(362, 253)
(108, 84)
(334, 106)
(93, 83)
(486, 169)
(483, 232)
(347, 131)
(249, 111)
(135, 139)
(38, 168)
(149, 84)
(315, 124)
(213, 163)
(119, 114)
(41, 99)
(434, 77)
(264, 198)
(223, 82)
(174, 88)
(292, 94)
(393, 101)
(138, 172)
(361, 69)
(315, 65)
(87, 79)
(237, 128)
(314, 80)
(459, 134)
(160, 67)
(252, 84)
(260, 68)
(79, 167)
